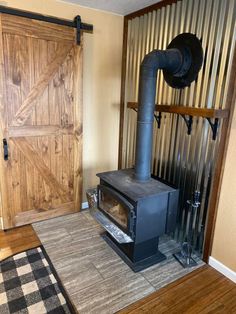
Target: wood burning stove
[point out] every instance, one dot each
(142, 211)
(136, 209)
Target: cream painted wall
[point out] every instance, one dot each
(101, 81)
(224, 244)
(101, 90)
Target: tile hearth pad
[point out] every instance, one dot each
(96, 279)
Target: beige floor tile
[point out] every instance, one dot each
(95, 277)
(112, 294)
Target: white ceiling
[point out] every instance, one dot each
(121, 7)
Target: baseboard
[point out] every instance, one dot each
(227, 272)
(84, 205)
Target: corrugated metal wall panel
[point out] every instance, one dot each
(184, 160)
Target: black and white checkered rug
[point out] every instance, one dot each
(29, 284)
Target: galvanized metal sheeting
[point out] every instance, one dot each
(185, 160)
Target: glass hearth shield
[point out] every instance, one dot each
(117, 208)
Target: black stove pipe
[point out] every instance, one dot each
(180, 63)
(171, 60)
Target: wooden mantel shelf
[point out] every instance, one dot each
(190, 111)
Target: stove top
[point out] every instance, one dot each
(123, 181)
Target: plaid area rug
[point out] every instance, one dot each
(29, 284)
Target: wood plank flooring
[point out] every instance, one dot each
(17, 240)
(203, 291)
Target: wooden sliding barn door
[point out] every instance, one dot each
(41, 122)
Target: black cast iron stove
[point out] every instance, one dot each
(142, 211)
(134, 208)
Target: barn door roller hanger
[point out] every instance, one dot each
(77, 23)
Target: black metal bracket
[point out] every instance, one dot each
(189, 122)
(51, 19)
(81, 27)
(214, 127)
(78, 28)
(158, 119)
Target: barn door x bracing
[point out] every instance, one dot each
(40, 99)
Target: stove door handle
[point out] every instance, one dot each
(116, 195)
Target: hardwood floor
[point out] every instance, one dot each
(203, 291)
(17, 240)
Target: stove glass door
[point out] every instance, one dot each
(115, 206)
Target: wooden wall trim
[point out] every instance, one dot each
(220, 164)
(150, 8)
(122, 92)
(78, 126)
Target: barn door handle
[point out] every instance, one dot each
(5, 149)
